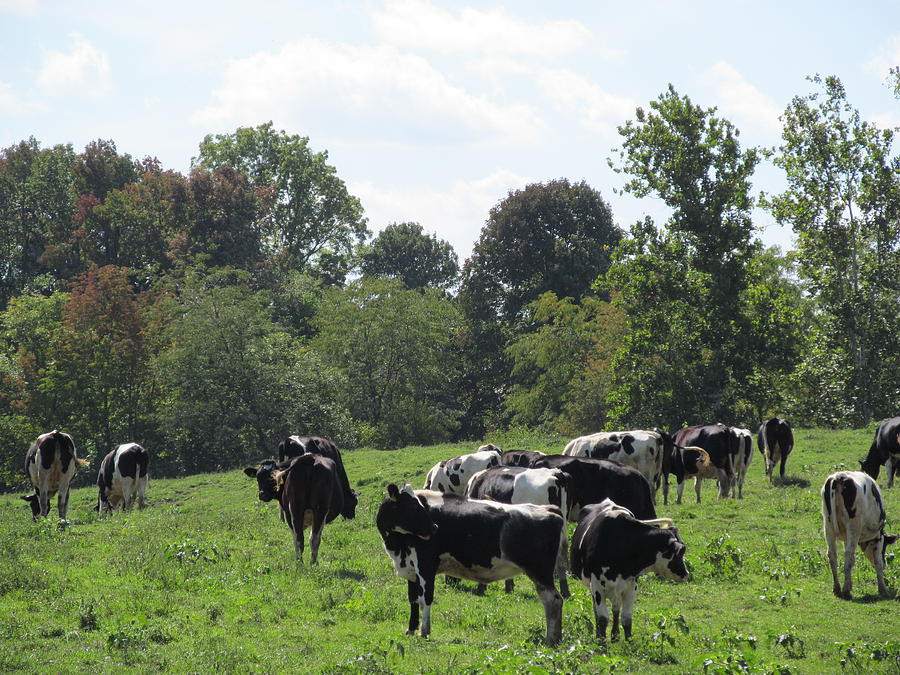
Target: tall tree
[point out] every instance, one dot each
(403, 251)
(843, 202)
(548, 237)
(313, 214)
(692, 160)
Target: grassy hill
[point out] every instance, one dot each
(205, 580)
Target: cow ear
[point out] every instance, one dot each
(250, 471)
(890, 539)
(393, 492)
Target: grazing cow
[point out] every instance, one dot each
(523, 458)
(775, 441)
(426, 533)
(719, 443)
(641, 449)
(292, 446)
(741, 460)
(122, 477)
(885, 450)
(309, 492)
(453, 474)
(852, 510)
(50, 464)
(594, 480)
(518, 485)
(611, 549)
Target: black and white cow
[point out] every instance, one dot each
(453, 475)
(687, 463)
(123, 477)
(640, 449)
(523, 458)
(426, 533)
(741, 460)
(775, 441)
(852, 510)
(611, 549)
(593, 480)
(309, 493)
(518, 485)
(885, 450)
(719, 443)
(293, 446)
(50, 464)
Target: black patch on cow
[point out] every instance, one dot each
(454, 478)
(848, 488)
(827, 494)
(628, 444)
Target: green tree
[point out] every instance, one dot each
(394, 348)
(561, 369)
(843, 203)
(692, 160)
(313, 215)
(235, 382)
(403, 251)
(548, 237)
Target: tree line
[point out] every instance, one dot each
(209, 315)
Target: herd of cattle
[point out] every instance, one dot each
(492, 514)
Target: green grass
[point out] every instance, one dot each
(205, 580)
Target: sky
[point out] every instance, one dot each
(433, 111)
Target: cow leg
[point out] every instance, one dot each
(601, 615)
(480, 589)
(562, 566)
(698, 484)
(832, 561)
(614, 633)
(628, 607)
(62, 503)
(553, 602)
(783, 460)
(142, 490)
(849, 561)
(44, 497)
(412, 593)
(296, 525)
(316, 538)
(426, 599)
(127, 493)
(680, 490)
(889, 465)
(508, 586)
(665, 487)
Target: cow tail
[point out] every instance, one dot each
(663, 523)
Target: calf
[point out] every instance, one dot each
(611, 549)
(640, 449)
(453, 474)
(294, 446)
(122, 477)
(775, 440)
(852, 510)
(309, 493)
(518, 485)
(593, 480)
(686, 463)
(719, 443)
(885, 449)
(50, 464)
(426, 533)
(741, 459)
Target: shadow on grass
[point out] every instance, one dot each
(349, 574)
(790, 481)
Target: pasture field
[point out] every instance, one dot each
(204, 580)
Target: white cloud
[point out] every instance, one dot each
(886, 56)
(456, 213)
(84, 70)
(740, 101)
(888, 120)
(419, 24)
(23, 7)
(596, 108)
(13, 105)
(365, 86)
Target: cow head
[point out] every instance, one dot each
(350, 502)
(403, 513)
(267, 475)
(670, 560)
(876, 549)
(871, 464)
(34, 503)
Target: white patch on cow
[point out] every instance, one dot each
(453, 474)
(646, 458)
(500, 569)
